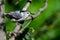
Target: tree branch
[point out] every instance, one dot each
(29, 18)
(2, 24)
(27, 5)
(40, 10)
(16, 30)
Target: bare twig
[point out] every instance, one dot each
(27, 5)
(12, 38)
(16, 30)
(40, 10)
(17, 27)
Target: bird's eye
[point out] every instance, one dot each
(27, 13)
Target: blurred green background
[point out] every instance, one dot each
(44, 27)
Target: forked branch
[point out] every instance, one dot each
(39, 11)
(29, 18)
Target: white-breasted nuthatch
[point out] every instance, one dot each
(18, 15)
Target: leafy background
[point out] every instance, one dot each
(44, 27)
